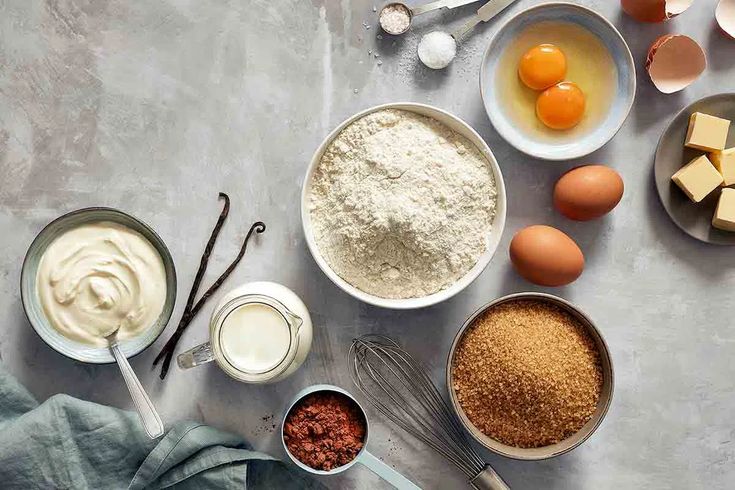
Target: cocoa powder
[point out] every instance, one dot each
(325, 430)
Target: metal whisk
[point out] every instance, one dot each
(400, 388)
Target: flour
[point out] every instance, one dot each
(401, 205)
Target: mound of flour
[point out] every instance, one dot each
(401, 205)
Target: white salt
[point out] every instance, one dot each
(437, 49)
(395, 19)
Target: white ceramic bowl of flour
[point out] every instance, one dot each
(492, 239)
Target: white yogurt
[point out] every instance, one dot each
(100, 276)
(255, 337)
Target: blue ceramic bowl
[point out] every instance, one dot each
(32, 304)
(620, 107)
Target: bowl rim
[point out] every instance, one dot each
(603, 404)
(166, 316)
(630, 63)
(498, 221)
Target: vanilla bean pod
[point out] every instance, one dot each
(191, 308)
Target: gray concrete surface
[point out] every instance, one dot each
(154, 107)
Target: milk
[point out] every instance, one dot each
(259, 332)
(255, 337)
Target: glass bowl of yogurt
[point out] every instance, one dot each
(92, 270)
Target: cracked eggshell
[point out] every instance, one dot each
(655, 10)
(725, 15)
(674, 61)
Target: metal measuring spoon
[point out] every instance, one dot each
(484, 14)
(364, 458)
(151, 420)
(412, 12)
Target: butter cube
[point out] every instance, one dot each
(724, 217)
(707, 133)
(724, 162)
(697, 178)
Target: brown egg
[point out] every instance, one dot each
(546, 256)
(588, 192)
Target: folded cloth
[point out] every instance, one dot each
(65, 443)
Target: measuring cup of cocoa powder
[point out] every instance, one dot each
(325, 432)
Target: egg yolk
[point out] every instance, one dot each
(542, 66)
(561, 106)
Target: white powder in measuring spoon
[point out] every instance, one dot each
(395, 19)
(437, 49)
(401, 205)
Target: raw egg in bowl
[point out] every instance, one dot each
(557, 81)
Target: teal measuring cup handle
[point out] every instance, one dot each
(386, 472)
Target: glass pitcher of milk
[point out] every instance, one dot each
(259, 333)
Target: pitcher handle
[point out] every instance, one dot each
(201, 354)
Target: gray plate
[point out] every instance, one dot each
(694, 219)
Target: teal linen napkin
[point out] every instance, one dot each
(69, 443)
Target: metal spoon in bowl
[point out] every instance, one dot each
(151, 420)
(412, 12)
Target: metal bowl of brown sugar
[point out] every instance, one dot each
(530, 376)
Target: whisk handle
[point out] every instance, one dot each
(487, 479)
(386, 472)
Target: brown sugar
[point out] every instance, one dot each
(325, 430)
(527, 374)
